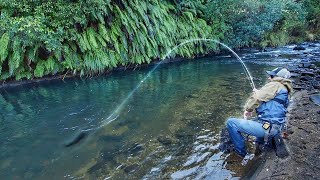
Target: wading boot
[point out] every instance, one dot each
(280, 147)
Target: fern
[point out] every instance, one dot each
(4, 42)
(91, 37)
(86, 41)
(16, 57)
(101, 40)
(81, 43)
(31, 54)
(40, 69)
(103, 32)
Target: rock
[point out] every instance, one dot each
(313, 66)
(313, 45)
(316, 84)
(165, 140)
(299, 48)
(135, 149)
(294, 69)
(306, 78)
(294, 75)
(298, 88)
(307, 73)
(315, 99)
(306, 65)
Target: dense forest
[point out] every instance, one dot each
(40, 38)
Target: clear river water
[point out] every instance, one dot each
(168, 129)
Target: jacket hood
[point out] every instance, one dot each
(286, 82)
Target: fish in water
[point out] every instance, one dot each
(76, 139)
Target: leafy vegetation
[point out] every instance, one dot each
(39, 38)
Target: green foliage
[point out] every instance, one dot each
(39, 38)
(313, 14)
(4, 42)
(247, 23)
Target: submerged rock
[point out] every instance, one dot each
(165, 140)
(135, 149)
(131, 168)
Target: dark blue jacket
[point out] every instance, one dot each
(274, 110)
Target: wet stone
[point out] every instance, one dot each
(299, 48)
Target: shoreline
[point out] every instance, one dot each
(68, 75)
(64, 76)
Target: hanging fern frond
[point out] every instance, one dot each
(4, 43)
(81, 43)
(86, 41)
(91, 37)
(16, 57)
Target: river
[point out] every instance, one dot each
(169, 128)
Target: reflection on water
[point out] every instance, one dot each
(168, 128)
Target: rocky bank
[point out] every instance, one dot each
(303, 142)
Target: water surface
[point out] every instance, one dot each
(169, 128)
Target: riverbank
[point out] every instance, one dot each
(303, 142)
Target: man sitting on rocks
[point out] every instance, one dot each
(270, 103)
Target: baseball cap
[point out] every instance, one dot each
(280, 72)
